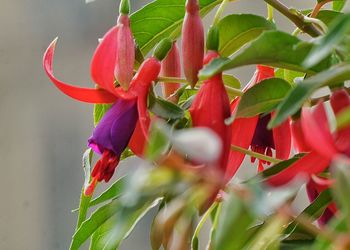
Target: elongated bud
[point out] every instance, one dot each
(210, 109)
(125, 58)
(171, 67)
(124, 7)
(213, 39)
(192, 42)
(162, 49)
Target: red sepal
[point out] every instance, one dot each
(310, 164)
(283, 140)
(88, 95)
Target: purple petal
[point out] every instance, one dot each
(116, 127)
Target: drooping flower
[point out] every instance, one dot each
(252, 132)
(324, 146)
(192, 42)
(128, 114)
(210, 109)
(171, 67)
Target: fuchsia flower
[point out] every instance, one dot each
(117, 128)
(192, 42)
(171, 67)
(210, 108)
(324, 146)
(252, 132)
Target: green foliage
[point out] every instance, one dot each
(263, 97)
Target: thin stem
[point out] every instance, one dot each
(231, 91)
(318, 7)
(255, 154)
(219, 12)
(269, 12)
(296, 18)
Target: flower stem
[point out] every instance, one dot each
(231, 91)
(255, 154)
(296, 18)
(83, 207)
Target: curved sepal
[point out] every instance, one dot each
(88, 95)
(283, 140)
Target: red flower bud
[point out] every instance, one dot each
(171, 68)
(210, 108)
(125, 57)
(192, 42)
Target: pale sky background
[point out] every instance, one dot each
(42, 132)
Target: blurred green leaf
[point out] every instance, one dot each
(338, 32)
(274, 48)
(296, 245)
(158, 142)
(296, 98)
(89, 226)
(262, 97)
(313, 211)
(125, 221)
(289, 75)
(231, 81)
(99, 111)
(341, 173)
(160, 19)
(234, 220)
(268, 236)
(164, 109)
(113, 192)
(238, 29)
(338, 5)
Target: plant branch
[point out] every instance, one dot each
(295, 17)
(255, 154)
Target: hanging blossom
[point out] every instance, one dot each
(324, 146)
(127, 122)
(252, 132)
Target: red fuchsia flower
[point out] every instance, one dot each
(210, 109)
(324, 146)
(192, 42)
(171, 67)
(127, 122)
(125, 56)
(252, 132)
(316, 184)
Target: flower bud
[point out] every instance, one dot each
(192, 42)
(125, 57)
(171, 68)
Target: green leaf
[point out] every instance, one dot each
(233, 222)
(341, 190)
(231, 81)
(289, 75)
(99, 111)
(343, 118)
(313, 211)
(338, 5)
(328, 16)
(268, 236)
(158, 142)
(262, 97)
(337, 33)
(101, 232)
(125, 221)
(238, 29)
(85, 200)
(164, 109)
(160, 19)
(296, 245)
(274, 48)
(113, 192)
(296, 98)
(89, 226)
(275, 169)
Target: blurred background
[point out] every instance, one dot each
(42, 132)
